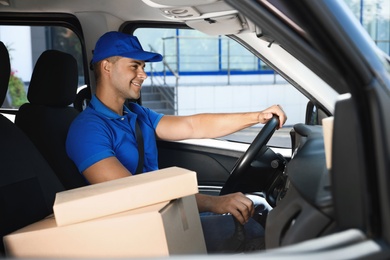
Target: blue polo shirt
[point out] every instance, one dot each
(98, 133)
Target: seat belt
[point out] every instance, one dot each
(140, 144)
(140, 141)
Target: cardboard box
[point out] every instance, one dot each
(158, 230)
(107, 198)
(327, 124)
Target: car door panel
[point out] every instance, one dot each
(212, 165)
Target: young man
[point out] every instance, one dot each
(101, 140)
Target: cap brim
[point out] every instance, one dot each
(144, 56)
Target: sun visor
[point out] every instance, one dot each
(228, 24)
(212, 17)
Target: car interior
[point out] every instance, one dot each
(303, 202)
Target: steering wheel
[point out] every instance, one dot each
(246, 159)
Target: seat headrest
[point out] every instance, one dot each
(54, 80)
(5, 72)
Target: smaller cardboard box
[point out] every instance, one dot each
(111, 197)
(158, 230)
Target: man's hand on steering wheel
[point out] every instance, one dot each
(268, 113)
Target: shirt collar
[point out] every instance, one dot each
(98, 106)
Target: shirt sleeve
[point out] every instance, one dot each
(88, 142)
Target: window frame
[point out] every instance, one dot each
(47, 20)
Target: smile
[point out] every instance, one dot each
(136, 84)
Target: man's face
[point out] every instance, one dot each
(127, 76)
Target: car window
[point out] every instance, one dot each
(214, 74)
(25, 44)
(374, 15)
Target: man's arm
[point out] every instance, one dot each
(213, 125)
(105, 170)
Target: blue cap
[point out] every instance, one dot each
(120, 44)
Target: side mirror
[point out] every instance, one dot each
(314, 114)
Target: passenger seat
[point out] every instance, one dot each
(27, 183)
(5, 72)
(46, 119)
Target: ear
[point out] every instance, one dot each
(105, 66)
